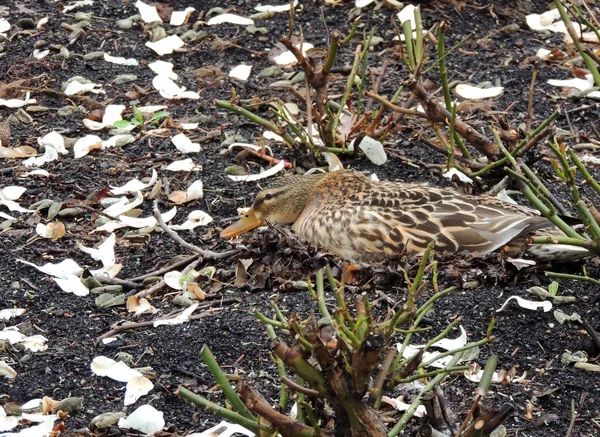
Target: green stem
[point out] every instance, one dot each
(256, 119)
(584, 172)
(229, 415)
(580, 48)
(415, 404)
(573, 277)
(223, 383)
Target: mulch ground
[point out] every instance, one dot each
(530, 342)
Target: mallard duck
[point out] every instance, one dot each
(350, 215)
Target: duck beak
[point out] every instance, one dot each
(243, 225)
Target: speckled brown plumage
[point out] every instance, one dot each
(359, 219)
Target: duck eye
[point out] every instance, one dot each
(269, 196)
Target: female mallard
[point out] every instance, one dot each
(359, 219)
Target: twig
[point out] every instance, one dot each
(389, 105)
(530, 97)
(298, 388)
(268, 158)
(204, 253)
(166, 269)
(156, 287)
(127, 326)
(572, 422)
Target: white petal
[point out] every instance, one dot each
(184, 144)
(527, 304)
(475, 93)
(148, 13)
(83, 145)
(146, 419)
(163, 68)
(461, 176)
(119, 60)
(12, 192)
(195, 218)
(72, 284)
(255, 177)
(117, 370)
(230, 18)
(136, 388)
(450, 344)
(241, 72)
(280, 8)
(135, 185)
(180, 17)
(181, 318)
(183, 165)
(63, 269)
(166, 45)
(173, 279)
(9, 373)
(8, 313)
(287, 58)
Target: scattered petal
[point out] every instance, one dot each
(183, 165)
(148, 13)
(184, 144)
(135, 185)
(166, 45)
(53, 231)
(475, 93)
(527, 304)
(131, 62)
(181, 318)
(173, 279)
(255, 177)
(279, 8)
(8, 313)
(163, 68)
(195, 219)
(63, 269)
(224, 429)
(401, 406)
(372, 149)
(450, 344)
(146, 419)
(288, 58)
(136, 388)
(231, 19)
(170, 90)
(17, 103)
(241, 72)
(116, 370)
(180, 17)
(9, 373)
(105, 251)
(459, 174)
(85, 145)
(72, 284)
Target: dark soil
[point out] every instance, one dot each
(528, 341)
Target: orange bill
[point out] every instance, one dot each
(248, 222)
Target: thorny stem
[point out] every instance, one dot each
(573, 277)
(415, 404)
(445, 370)
(521, 145)
(575, 37)
(584, 212)
(220, 411)
(460, 349)
(256, 119)
(584, 172)
(223, 383)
